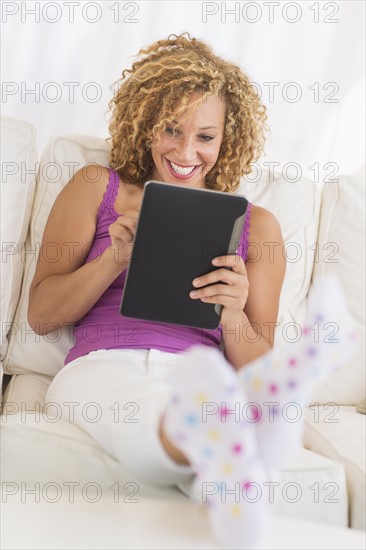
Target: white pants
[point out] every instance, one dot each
(118, 397)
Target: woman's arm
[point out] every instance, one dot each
(64, 289)
(252, 334)
(249, 293)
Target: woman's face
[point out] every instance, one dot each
(186, 155)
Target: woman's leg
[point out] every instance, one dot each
(118, 397)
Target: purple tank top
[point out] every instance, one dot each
(103, 327)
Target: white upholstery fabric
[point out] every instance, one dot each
(313, 488)
(296, 206)
(18, 177)
(29, 352)
(342, 251)
(149, 523)
(339, 433)
(60, 452)
(27, 391)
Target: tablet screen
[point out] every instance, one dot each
(180, 230)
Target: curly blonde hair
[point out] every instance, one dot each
(158, 89)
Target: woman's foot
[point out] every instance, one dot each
(204, 420)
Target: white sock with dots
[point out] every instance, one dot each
(280, 383)
(203, 420)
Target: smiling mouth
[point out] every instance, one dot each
(182, 170)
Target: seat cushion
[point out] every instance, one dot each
(25, 392)
(41, 448)
(339, 434)
(313, 488)
(149, 523)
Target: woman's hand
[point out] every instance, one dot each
(233, 295)
(122, 233)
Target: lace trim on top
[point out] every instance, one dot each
(244, 239)
(110, 194)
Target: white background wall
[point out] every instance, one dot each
(306, 57)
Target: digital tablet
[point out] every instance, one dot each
(179, 232)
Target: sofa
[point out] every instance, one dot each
(323, 231)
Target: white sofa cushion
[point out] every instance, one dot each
(339, 434)
(27, 391)
(18, 177)
(342, 251)
(62, 157)
(297, 208)
(313, 488)
(41, 447)
(59, 452)
(149, 523)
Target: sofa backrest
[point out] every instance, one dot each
(296, 204)
(28, 351)
(341, 251)
(18, 181)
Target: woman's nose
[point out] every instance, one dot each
(186, 150)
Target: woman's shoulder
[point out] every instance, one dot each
(264, 227)
(88, 184)
(94, 172)
(262, 219)
(97, 173)
(96, 177)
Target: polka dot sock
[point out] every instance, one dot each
(279, 384)
(203, 420)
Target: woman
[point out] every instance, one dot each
(168, 407)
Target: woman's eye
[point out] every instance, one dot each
(171, 131)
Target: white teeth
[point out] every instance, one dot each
(180, 170)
